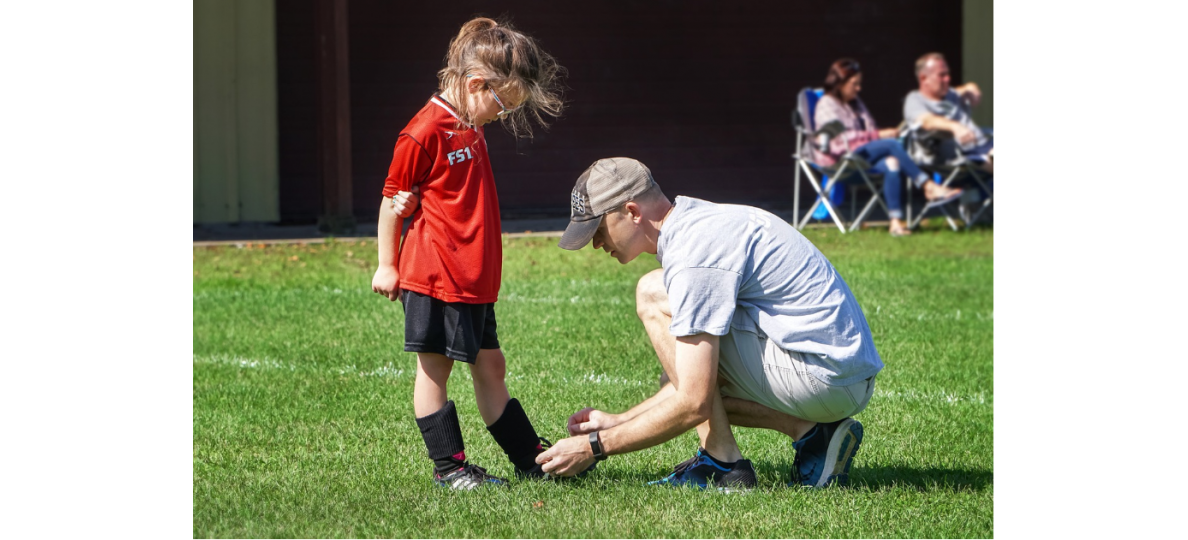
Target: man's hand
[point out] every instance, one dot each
(404, 203)
(569, 457)
(386, 282)
(971, 93)
(964, 135)
(589, 420)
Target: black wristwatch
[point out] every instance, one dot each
(596, 446)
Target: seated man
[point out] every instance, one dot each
(937, 108)
(752, 325)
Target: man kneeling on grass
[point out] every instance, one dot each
(752, 325)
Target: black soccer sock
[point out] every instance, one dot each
(723, 464)
(443, 438)
(514, 434)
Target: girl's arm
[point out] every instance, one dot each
(387, 277)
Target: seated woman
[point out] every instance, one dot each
(861, 137)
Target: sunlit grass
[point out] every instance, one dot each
(303, 422)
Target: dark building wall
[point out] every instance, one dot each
(297, 101)
(699, 91)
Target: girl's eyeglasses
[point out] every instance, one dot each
(506, 111)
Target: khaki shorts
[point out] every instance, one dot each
(754, 368)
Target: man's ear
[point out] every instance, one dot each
(634, 211)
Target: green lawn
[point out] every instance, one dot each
(303, 421)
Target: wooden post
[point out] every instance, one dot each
(334, 117)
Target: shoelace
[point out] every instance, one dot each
(686, 465)
(545, 444)
(472, 469)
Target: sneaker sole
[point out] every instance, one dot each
(462, 485)
(842, 448)
(704, 487)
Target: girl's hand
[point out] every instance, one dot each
(386, 282)
(404, 203)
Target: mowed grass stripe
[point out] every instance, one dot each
(391, 371)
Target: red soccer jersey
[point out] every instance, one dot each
(453, 251)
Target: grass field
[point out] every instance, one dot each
(303, 422)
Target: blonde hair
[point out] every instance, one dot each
(511, 62)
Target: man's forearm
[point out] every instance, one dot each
(667, 390)
(932, 122)
(669, 417)
(686, 406)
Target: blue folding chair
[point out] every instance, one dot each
(923, 147)
(850, 170)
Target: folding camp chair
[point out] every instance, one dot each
(923, 146)
(850, 170)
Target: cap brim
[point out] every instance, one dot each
(579, 233)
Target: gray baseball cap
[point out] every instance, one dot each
(607, 184)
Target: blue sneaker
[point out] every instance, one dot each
(824, 455)
(467, 477)
(700, 471)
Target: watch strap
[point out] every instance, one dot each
(596, 446)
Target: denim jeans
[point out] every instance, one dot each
(876, 153)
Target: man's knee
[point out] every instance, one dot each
(650, 297)
(892, 163)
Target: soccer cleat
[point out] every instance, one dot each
(700, 471)
(537, 472)
(468, 476)
(824, 455)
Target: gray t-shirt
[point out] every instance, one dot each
(952, 107)
(731, 266)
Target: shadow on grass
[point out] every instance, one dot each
(774, 476)
(877, 478)
(922, 479)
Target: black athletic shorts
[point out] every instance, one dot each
(453, 329)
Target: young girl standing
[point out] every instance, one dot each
(447, 274)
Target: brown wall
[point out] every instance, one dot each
(699, 91)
